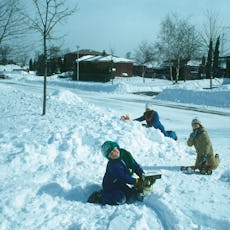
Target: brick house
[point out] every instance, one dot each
(225, 64)
(70, 58)
(102, 68)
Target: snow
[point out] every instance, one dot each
(108, 58)
(50, 164)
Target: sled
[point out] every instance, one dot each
(205, 170)
(146, 183)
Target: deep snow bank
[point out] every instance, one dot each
(213, 97)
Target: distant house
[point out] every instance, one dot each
(156, 69)
(194, 69)
(152, 69)
(70, 58)
(225, 64)
(102, 67)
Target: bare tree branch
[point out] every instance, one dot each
(211, 29)
(11, 20)
(177, 41)
(145, 53)
(48, 13)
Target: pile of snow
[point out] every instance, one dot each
(65, 97)
(50, 164)
(138, 84)
(9, 68)
(200, 97)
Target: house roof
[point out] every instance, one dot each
(194, 62)
(87, 51)
(83, 58)
(108, 58)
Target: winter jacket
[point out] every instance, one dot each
(152, 119)
(202, 143)
(119, 173)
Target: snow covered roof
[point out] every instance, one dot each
(194, 62)
(83, 58)
(108, 58)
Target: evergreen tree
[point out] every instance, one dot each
(40, 65)
(216, 58)
(203, 60)
(31, 66)
(209, 61)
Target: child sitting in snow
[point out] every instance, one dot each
(120, 168)
(202, 143)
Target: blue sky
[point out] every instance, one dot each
(121, 25)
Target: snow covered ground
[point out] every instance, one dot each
(50, 164)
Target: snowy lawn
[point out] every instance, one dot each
(50, 164)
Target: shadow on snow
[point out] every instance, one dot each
(162, 167)
(75, 194)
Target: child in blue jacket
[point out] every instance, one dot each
(120, 168)
(152, 120)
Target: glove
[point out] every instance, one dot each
(143, 176)
(138, 182)
(147, 183)
(193, 134)
(125, 118)
(138, 185)
(143, 184)
(140, 179)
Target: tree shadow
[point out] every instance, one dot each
(75, 194)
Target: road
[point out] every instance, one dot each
(91, 97)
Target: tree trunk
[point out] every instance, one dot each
(143, 74)
(171, 73)
(178, 70)
(45, 74)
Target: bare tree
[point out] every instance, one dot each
(54, 52)
(177, 41)
(209, 62)
(128, 55)
(11, 25)
(5, 52)
(165, 40)
(144, 54)
(210, 33)
(216, 53)
(210, 30)
(48, 14)
(12, 30)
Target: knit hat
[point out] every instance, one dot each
(107, 147)
(196, 121)
(149, 106)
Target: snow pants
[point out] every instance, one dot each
(124, 194)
